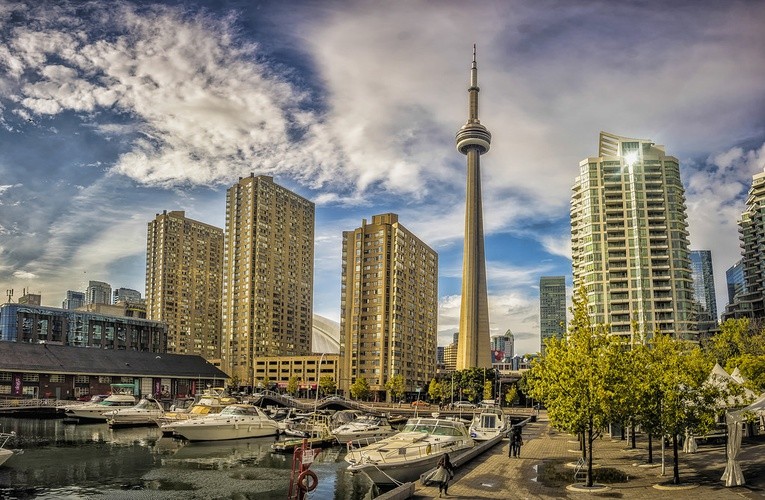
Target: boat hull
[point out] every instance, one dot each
(5, 455)
(393, 475)
(224, 432)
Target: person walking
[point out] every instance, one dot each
(444, 473)
(516, 441)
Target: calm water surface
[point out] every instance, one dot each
(66, 461)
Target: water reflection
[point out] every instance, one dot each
(93, 461)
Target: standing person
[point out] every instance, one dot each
(444, 472)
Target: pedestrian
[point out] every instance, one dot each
(516, 441)
(444, 472)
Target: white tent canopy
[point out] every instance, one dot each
(733, 475)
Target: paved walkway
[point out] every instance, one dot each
(496, 476)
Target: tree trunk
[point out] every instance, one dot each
(589, 454)
(623, 426)
(675, 468)
(650, 448)
(632, 431)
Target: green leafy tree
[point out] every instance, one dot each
(487, 389)
(740, 345)
(396, 387)
(510, 395)
(360, 388)
(574, 378)
(293, 384)
(434, 390)
(327, 385)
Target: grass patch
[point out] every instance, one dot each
(554, 474)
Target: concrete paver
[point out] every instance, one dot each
(494, 475)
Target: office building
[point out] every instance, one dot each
(704, 289)
(750, 302)
(30, 299)
(552, 308)
(73, 300)
(450, 357)
(24, 323)
(630, 239)
(98, 292)
(473, 140)
(276, 372)
(734, 278)
(388, 306)
(126, 295)
(184, 283)
(267, 275)
(509, 344)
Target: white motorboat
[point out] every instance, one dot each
(146, 412)
(366, 428)
(403, 457)
(237, 421)
(121, 397)
(488, 423)
(5, 453)
(211, 401)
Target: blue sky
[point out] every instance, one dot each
(111, 112)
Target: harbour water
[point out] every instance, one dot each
(55, 460)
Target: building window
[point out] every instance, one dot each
(104, 380)
(82, 379)
(57, 378)
(31, 377)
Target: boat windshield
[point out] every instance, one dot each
(238, 410)
(144, 404)
(437, 428)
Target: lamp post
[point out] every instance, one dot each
(318, 376)
(417, 404)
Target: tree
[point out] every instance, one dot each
(396, 386)
(487, 389)
(327, 385)
(574, 378)
(434, 390)
(360, 388)
(510, 395)
(740, 345)
(293, 384)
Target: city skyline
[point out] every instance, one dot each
(108, 117)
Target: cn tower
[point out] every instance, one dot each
(473, 140)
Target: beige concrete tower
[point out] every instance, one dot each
(184, 279)
(473, 140)
(267, 275)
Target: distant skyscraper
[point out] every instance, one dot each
(704, 288)
(73, 300)
(440, 355)
(98, 292)
(509, 345)
(184, 265)
(630, 239)
(552, 307)
(473, 140)
(268, 275)
(388, 306)
(734, 277)
(126, 295)
(497, 348)
(750, 302)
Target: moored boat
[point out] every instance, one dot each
(365, 427)
(211, 401)
(121, 397)
(487, 424)
(5, 453)
(403, 457)
(238, 421)
(145, 412)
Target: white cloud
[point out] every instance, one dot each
(24, 275)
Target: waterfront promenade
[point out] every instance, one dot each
(496, 476)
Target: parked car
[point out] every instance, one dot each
(487, 403)
(464, 404)
(420, 403)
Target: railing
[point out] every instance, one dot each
(33, 403)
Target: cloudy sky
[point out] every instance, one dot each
(111, 112)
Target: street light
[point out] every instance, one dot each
(318, 376)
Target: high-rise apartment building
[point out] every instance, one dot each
(552, 308)
(630, 239)
(73, 300)
(509, 345)
(750, 302)
(704, 289)
(98, 292)
(184, 260)
(268, 275)
(389, 305)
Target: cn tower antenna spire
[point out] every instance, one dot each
(473, 140)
